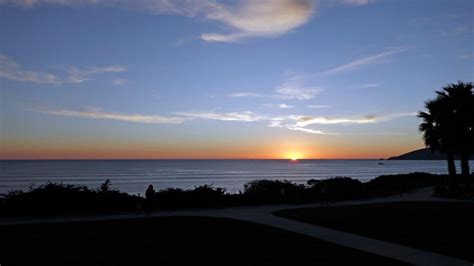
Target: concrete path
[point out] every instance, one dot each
(263, 215)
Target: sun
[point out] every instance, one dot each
(294, 156)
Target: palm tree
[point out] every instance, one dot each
(448, 126)
(436, 131)
(461, 102)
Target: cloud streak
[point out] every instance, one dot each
(368, 86)
(292, 122)
(355, 2)
(95, 113)
(315, 106)
(361, 62)
(294, 90)
(296, 86)
(304, 121)
(280, 106)
(244, 116)
(308, 130)
(10, 69)
(245, 94)
(374, 59)
(79, 75)
(301, 122)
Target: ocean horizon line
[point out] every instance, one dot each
(195, 159)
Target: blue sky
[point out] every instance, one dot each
(224, 79)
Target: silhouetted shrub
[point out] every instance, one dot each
(273, 191)
(337, 188)
(395, 184)
(201, 196)
(106, 186)
(54, 198)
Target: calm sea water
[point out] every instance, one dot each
(133, 176)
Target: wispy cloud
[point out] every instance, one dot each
(362, 62)
(244, 116)
(78, 75)
(285, 106)
(294, 90)
(275, 123)
(367, 86)
(308, 130)
(355, 2)
(295, 122)
(95, 113)
(245, 94)
(374, 59)
(295, 86)
(289, 90)
(303, 121)
(315, 106)
(291, 122)
(12, 70)
(181, 7)
(280, 106)
(284, 123)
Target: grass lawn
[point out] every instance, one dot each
(170, 241)
(441, 227)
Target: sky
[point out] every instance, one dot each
(186, 79)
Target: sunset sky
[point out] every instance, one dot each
(224, 79)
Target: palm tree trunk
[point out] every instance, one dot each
(451, 165)
(452, 172)
(465, 169)
(465, 163)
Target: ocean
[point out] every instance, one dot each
(133, 176)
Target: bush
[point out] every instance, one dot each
(58, 198)
(338, 188)
(201, 196)
(394, 184)
(55, 198)
(273, 191)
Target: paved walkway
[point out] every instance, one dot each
(263, 215)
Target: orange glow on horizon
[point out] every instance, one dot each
(275, 149)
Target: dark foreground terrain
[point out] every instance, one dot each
(53, 199)
(170, 241)
(441, 227)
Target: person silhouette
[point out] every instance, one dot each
(324, 195)
(149, 195)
